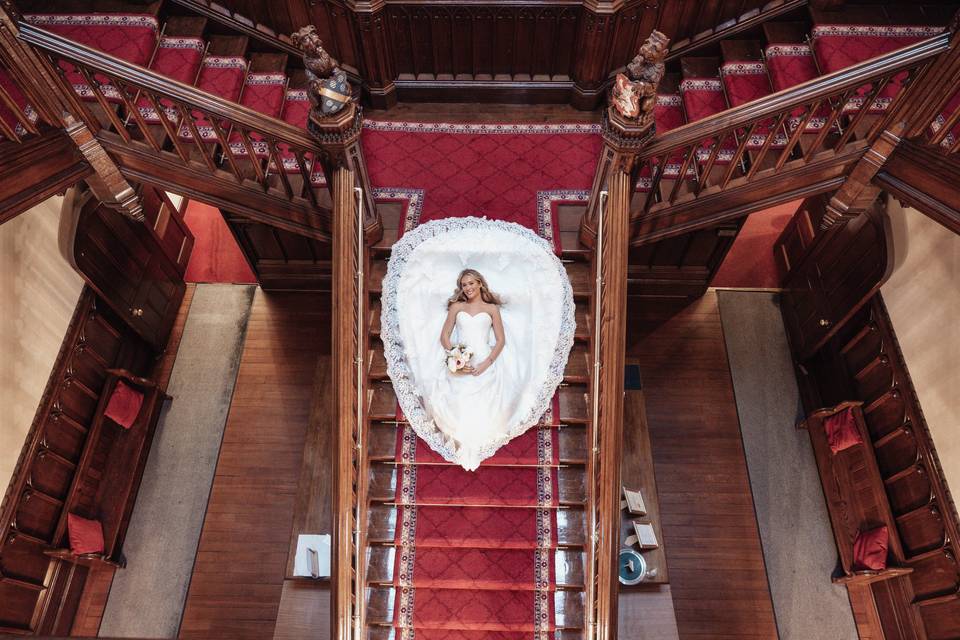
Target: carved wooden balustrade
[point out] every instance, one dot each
(795, 142)
(202, 147)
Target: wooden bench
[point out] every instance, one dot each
(108, 473)
(855, 495)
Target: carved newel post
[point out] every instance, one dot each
(627, 125)
(336, 120)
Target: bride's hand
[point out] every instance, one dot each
(480, 368)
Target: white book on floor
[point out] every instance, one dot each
(634, 502)
(644, 536)
(313, 556)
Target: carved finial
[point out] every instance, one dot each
(634, 95)
(327, 83)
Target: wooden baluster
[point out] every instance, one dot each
(170, 126)
(864, 110)
(656, 172)
(275, 158)
(197, 140)
(835, 113)
(10, 130)
(689, 157)
(741, 148)
(134, 112)
(105, 105)
(223, 139)
(711, 160)
(799, 131)
(766, 146)
(305, 172)
(948, 124)
(251, 153)
(955, 146)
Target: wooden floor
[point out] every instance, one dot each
(238, 576)
(717, 575)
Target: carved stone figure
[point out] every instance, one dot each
(634, 95)
(327, 83)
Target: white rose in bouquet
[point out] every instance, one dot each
(458, 357)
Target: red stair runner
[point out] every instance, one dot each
(745, 82)
(477, 527)
(263, 92)
(178, 59)
(130, 37)
(703, 97)
(296, 110)
(487, 486)
(838, 46)
(536, 446)
(480, 569)
(222, 76)
(789, 65)
(480, 610)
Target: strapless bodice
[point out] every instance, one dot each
(474, 331)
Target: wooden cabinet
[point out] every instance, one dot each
(132, 268)
(834, 278)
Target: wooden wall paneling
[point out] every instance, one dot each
(282, 260)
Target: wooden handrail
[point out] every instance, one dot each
(775, 104)
(142, 78)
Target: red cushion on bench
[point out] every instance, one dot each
(842, 431)
(124, 405)
(870, 549)
(86, 536)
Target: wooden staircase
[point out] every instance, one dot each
(572, 553)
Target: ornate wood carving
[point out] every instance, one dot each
(345, 348)
(336, 121)
(377, 66)
(858, 192)
(625, 135)
(108, 184)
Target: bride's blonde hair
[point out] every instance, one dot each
(486, 294)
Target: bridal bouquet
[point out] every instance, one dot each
(458, 356)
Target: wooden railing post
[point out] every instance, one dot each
(627, 125)
(344, 346)
(336, 121)
(609, 425)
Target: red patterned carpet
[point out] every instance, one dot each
(475, 551)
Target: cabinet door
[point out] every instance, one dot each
(125, 264)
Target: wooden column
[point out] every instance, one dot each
(339, 137)
(376, 58)
(613, 327)
(622, 141)
(344, 353)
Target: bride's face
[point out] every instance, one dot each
(470, 286)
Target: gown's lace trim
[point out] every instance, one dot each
(399, 370)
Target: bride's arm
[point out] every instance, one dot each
(448, 328)
(498, 347)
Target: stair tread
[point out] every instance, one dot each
(378, 632)
(477, 487)
(466, 524)
(484, 566)
(567, 607)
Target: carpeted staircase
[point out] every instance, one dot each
(192, 50)
(495, 554)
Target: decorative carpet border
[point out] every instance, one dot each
(501, 128)
(412, 198)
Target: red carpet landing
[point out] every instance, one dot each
(475, 550)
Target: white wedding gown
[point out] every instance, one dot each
(467, 418)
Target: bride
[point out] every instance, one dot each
(519, 337)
